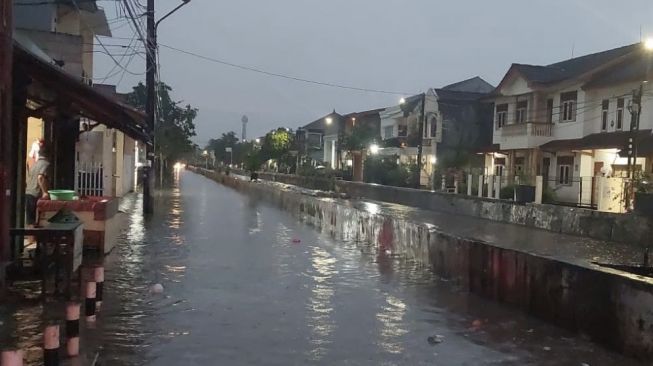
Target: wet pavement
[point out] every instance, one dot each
(247, 284)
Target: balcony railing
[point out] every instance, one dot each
(527, 129)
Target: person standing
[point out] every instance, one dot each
(38, 184)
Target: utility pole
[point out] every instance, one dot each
(420, 138)
(635, 112)
(150, 110)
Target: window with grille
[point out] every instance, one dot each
(502, 113)
(388, 131)
(605, 114)
(620, 113)
(549, 111)
(568, 106)
(520, 112)
(564, 169)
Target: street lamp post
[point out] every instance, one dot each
(150, 104)
(417, 175)
(206, 159)
(636, 112)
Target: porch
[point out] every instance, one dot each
(48, 104)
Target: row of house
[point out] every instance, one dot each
(569, 122)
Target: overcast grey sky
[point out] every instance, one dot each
(405, 46)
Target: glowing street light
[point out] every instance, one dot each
(328, 120)
(374, 149)
(648, 44)
(402, 101)
(258, 141)
(205, 153)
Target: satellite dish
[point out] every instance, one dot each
(244, 119)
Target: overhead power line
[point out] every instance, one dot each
(278, 75)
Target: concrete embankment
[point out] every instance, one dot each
(549, 275)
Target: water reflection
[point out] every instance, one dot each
(319, 304)
(391, 316)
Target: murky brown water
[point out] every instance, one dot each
(239, 290)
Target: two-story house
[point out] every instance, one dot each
(569, 121)
(65, 32)
(456, 125)
(317, 141)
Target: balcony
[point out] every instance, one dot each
(527, 129)
(523, 135)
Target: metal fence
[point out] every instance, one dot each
(89, 178)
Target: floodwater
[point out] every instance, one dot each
(247, 284)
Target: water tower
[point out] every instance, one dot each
(243, 135)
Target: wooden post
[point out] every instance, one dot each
(7, 166)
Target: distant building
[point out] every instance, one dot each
(457, 124)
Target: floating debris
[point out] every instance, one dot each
(436, 339)
(156, 288)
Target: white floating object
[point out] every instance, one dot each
(156, 288)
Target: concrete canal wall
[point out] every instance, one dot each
(611, 307)
(621, 228)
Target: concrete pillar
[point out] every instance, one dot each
(601, 187)
(455, 185)
(490, 186)
(470, 182)
(497, 187)
(539, 188)
(480, 185)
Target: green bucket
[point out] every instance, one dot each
(61, 194)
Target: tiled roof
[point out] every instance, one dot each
(573, 67)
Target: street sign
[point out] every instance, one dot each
(227, 149)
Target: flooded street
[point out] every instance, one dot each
(247, 284)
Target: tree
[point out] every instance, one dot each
(362, 135)
(174, 126)
(276, 143)
(220, 145)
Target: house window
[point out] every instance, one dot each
(426, 131)
(549, 111)
(388, 131)
(403, 131)
(620, 113)
(502, 113)
(564, 169)
(604, 115)
(434, 126)
(520, 112)
(568, 106)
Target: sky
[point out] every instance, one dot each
(402, 46)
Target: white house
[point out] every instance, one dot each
(570, 123)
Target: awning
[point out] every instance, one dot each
(604, 140)
(81, 98)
